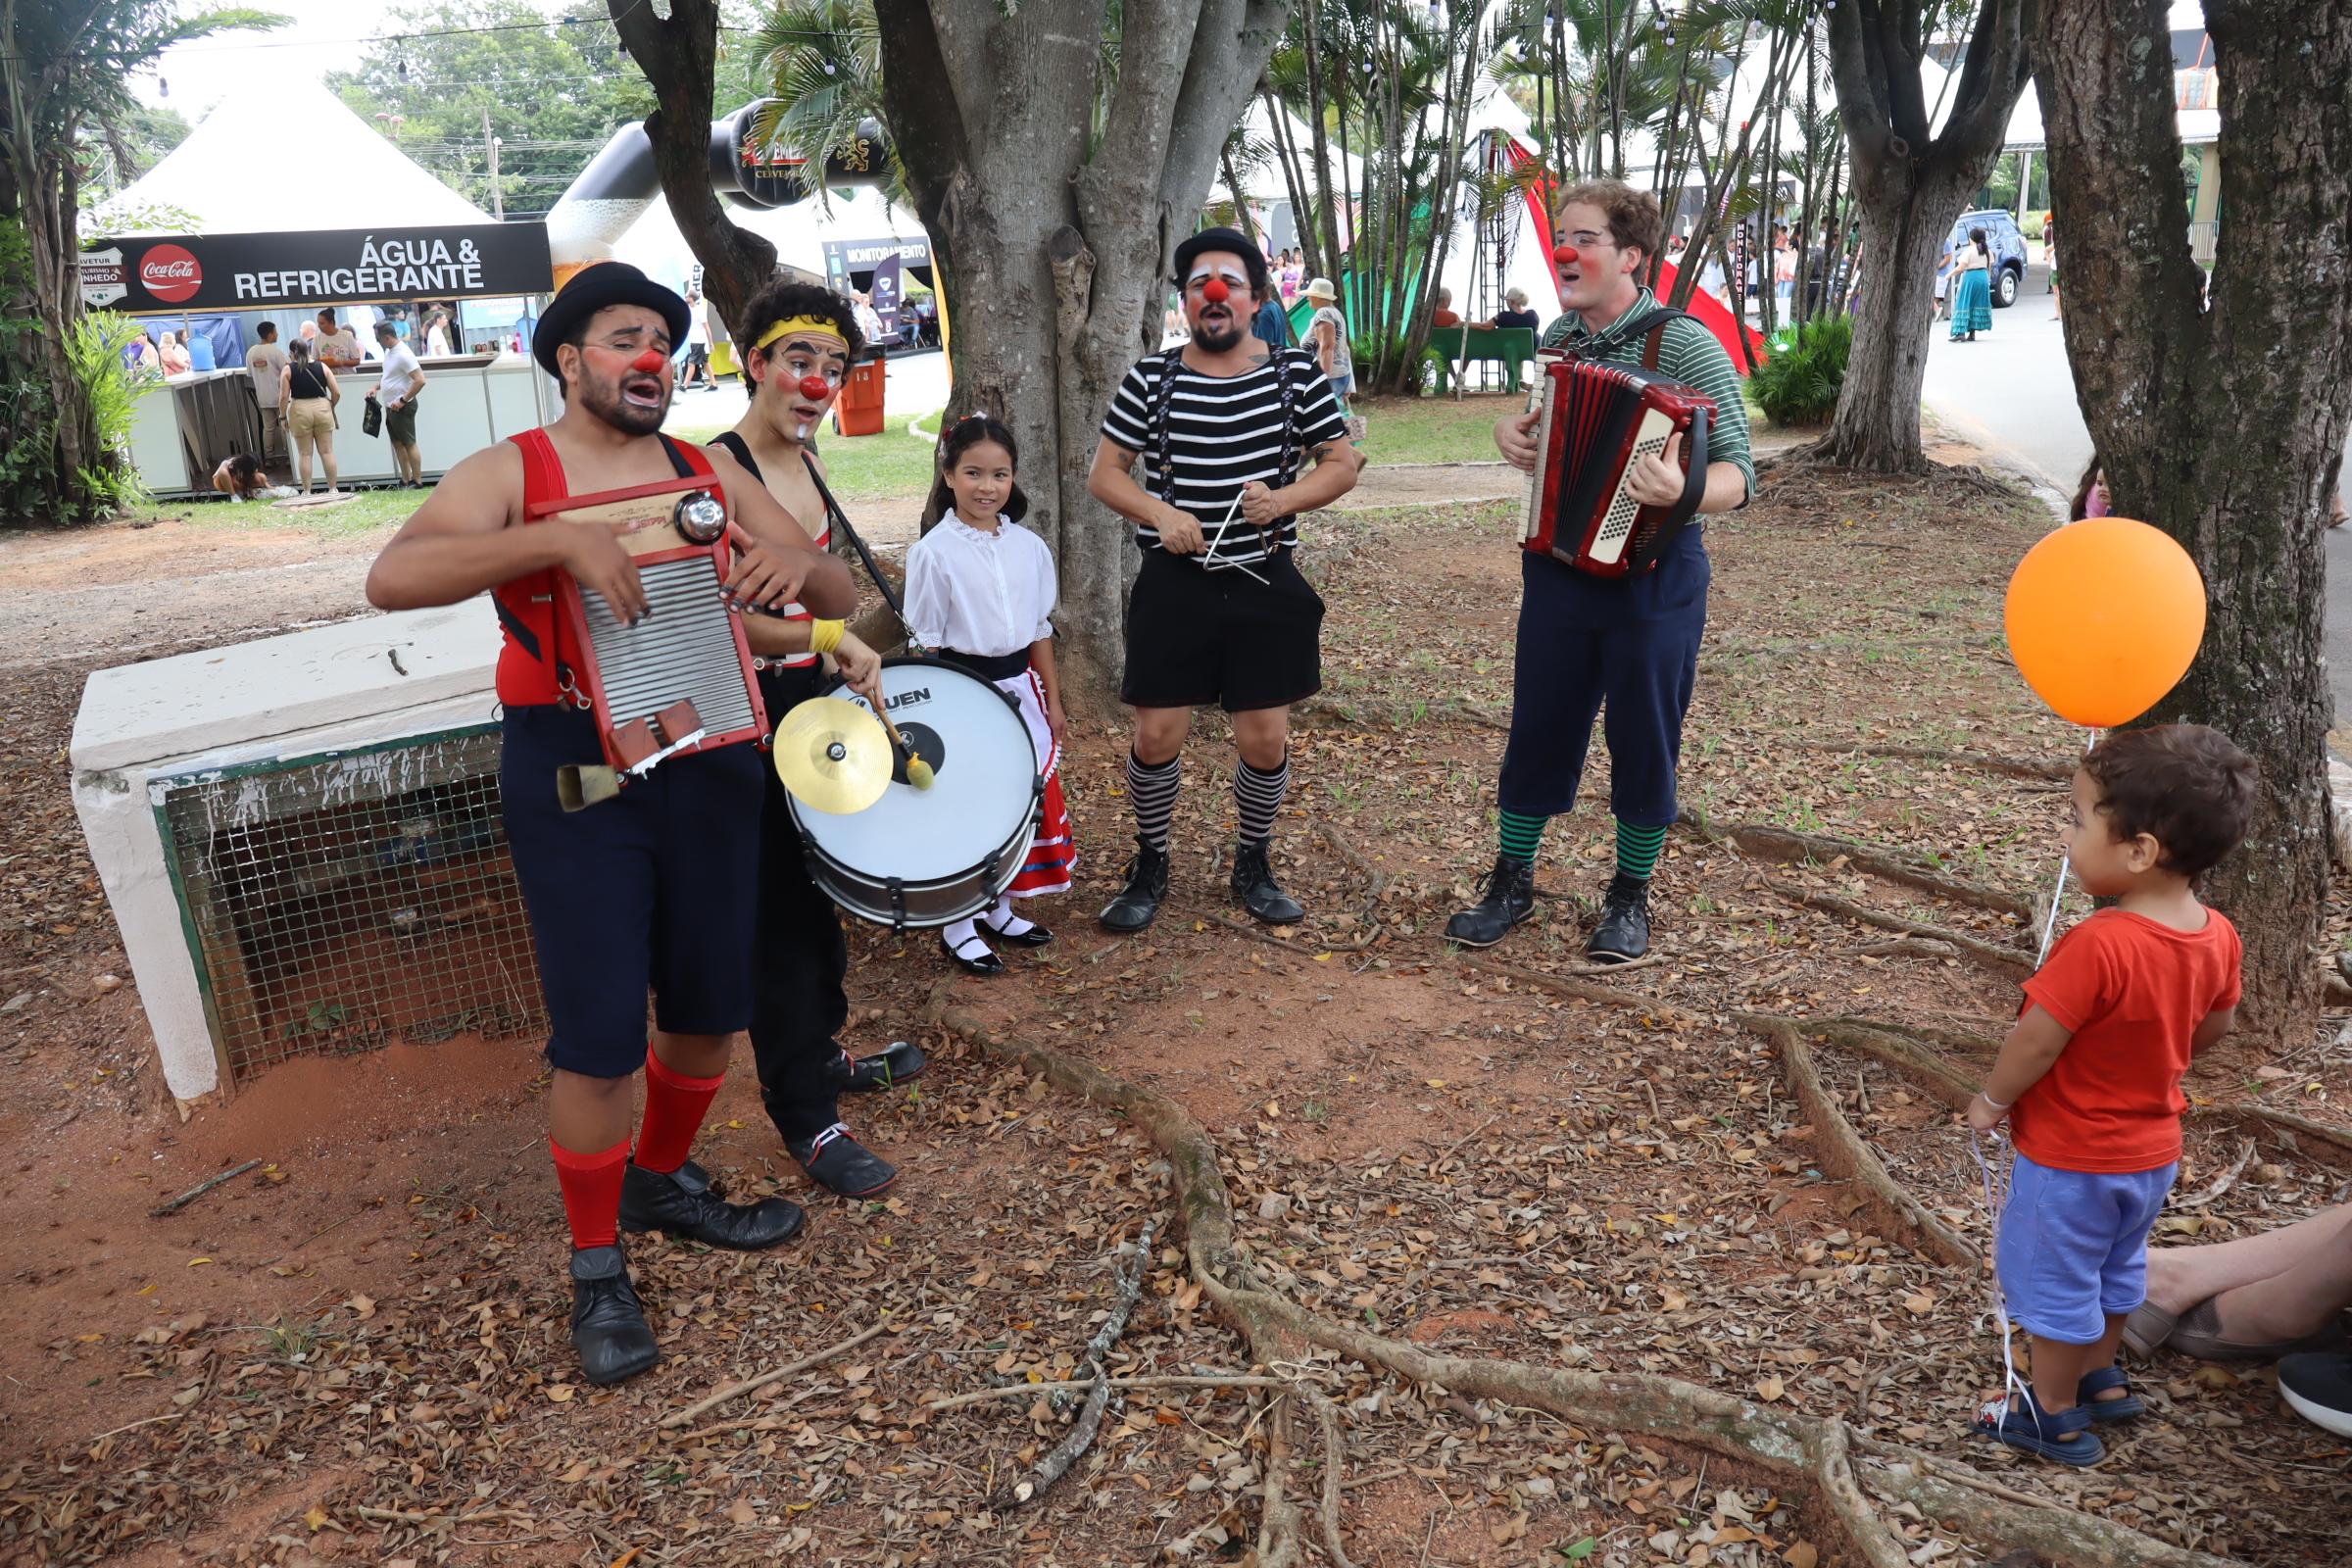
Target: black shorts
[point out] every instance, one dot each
(1197, 636)
(653, 890)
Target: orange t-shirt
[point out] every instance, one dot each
(2132, 993)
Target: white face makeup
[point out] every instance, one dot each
(1218, 324)
(792, 363)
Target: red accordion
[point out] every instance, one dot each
(1597, 419)
(680, 679)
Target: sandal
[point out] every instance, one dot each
(2065, 1436)
(2199, 1334)
(2094, 1384)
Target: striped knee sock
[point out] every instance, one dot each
(1257, 795)
(1521, 835)
(1637, 849)
(1151, 790)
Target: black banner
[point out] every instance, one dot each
(180, 273)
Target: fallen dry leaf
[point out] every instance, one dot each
(1770, 1390)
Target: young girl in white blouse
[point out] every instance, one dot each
(980, 593)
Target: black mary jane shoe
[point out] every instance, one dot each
(683, 1204)
(609, 1331)
(986, 964)
(1622, 934)
(1037, 936)
(884, 1070)
(839, 1164)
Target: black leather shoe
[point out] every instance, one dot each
(1254, 884)
(1622, 934)
(1509, 899)
(985, 962)
(1147, 885)
(839, 1164)
(608, 1326)
(884, 1070)
(1037, 936)
(682, 1204)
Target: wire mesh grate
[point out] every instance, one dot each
(341, 903)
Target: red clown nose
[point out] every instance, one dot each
(650, 362)
(815, 388)
(1564, 254)
(1215, 292)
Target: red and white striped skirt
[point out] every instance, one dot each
(1052, 856)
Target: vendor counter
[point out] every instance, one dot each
(186, 425)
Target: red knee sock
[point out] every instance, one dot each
(591, 1186)
(674, 1106)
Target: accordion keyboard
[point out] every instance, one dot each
(684, 647)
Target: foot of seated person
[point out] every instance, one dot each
(2258, 1322)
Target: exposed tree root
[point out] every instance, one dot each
(1892, 864)
(2014, 767)
(1799, 1449)
(1871, 1039)
(2007, 961)
(1569, 986)
(2334, 1144)
(1844, 1151)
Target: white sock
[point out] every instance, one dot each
(1006, 924)
(963, 934)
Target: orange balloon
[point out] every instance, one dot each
(2104, 617)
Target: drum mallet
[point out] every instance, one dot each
(919, 771)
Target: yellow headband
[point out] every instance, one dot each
(801, 323)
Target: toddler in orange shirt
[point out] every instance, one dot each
(2089, 1077)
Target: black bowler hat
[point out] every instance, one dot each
(1230, 241)
(593, 288)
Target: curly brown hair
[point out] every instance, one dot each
(784, 298)
(1635, 222)
(2183, 785)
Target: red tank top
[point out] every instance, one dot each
(535, 664)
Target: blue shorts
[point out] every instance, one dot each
(2074, 1247)
(654, 890)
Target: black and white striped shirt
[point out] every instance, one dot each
(1224, 431)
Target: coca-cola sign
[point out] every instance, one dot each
(187, 272)
(170, 273)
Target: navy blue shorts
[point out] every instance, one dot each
(1623, 648)
(655, 889)
(2073, 1249)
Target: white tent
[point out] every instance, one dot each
(799, 233)
(285, 158)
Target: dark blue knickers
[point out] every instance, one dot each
(1625, 645)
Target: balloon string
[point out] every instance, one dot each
(2049, 924)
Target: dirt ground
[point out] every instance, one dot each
(356, 1351)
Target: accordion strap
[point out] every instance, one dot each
(1654, 325)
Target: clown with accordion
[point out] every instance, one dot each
(1637, 430)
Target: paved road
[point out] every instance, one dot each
(2011, 392)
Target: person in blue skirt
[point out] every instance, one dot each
(1972, 307)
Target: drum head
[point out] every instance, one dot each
(985, 779)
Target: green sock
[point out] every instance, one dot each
(1521, 836)
(1637, 849)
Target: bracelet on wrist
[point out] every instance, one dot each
(1997, 1104)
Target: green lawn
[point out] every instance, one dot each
(1435, 430)
(889, 465)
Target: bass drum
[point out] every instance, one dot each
(930, 858)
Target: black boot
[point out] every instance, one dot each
(884, 1070)
(839, 1164)
(1147, 885)
(682, 1204)
(608, 1326)
(1509, 899)
(1622, 934)
(1254, 884)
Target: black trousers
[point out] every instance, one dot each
(799, 957)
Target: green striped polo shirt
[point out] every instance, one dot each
(1689, 354)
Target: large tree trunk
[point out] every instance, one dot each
(1908, 189)
(2224, 426)
(1052, 262)
(679, 54)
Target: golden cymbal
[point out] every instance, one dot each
(833, 756)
